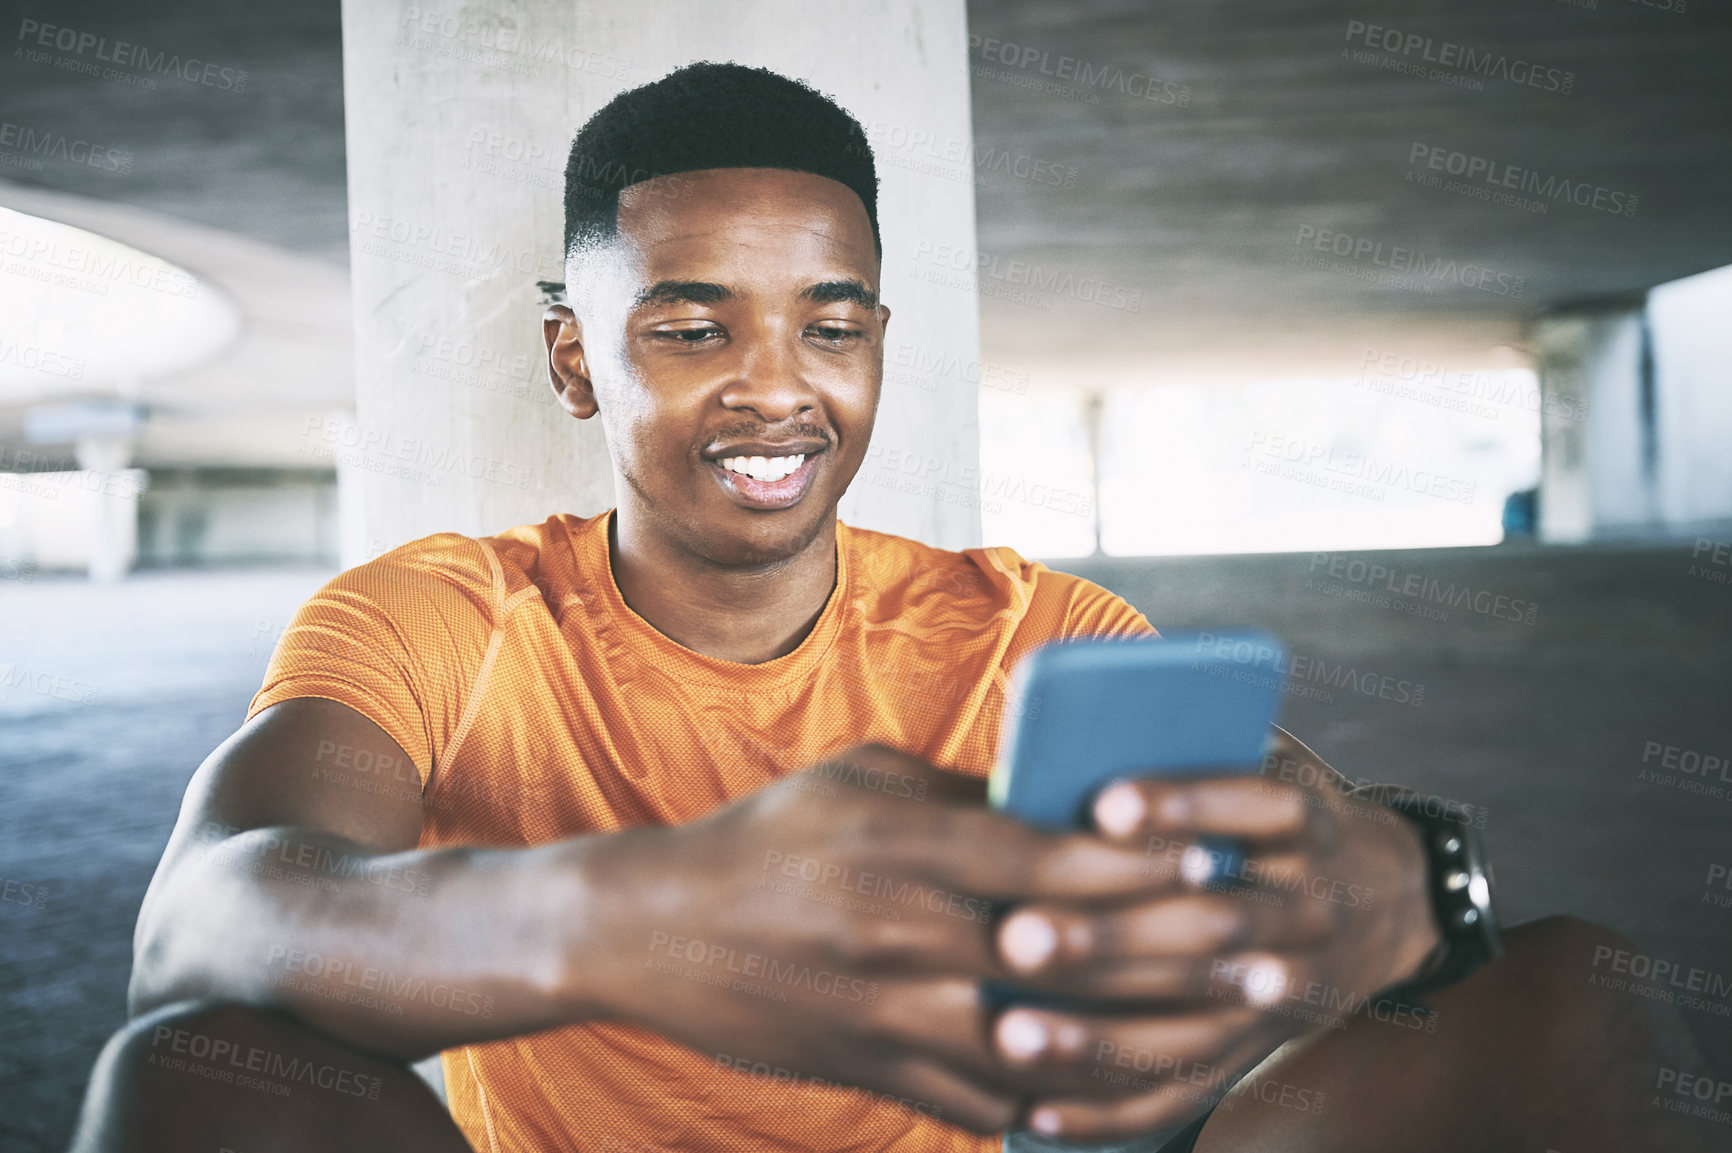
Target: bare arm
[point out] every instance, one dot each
(836, 922)
(292, 880)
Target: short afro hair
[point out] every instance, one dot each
(710, 115)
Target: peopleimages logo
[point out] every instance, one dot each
(992, 275)
(1356, 474)
(31, 249)
(1493, 175)
(59, 146)
(1420, 589)
(1070, 76)
(1299, 670)
(1449, 54)
(1461, 390)
(1398, 258)
(123, 54)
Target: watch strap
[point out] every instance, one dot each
(1458, 882)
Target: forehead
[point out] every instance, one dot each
(763, 219)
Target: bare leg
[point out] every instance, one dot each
(1529, 1054)
(212, 1077)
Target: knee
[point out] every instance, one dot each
(1558, 962)
(209, 1074)
(204, 1030)
(1564, 942)
(132, 1084)
(1578, 979)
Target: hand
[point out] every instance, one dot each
(837, 924)
(1331, 909)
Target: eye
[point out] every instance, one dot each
(702, 334)
(838, 335)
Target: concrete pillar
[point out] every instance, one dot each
(458, 121)
(1093, 409)
(102, 499)
(1596, 428)
(1692, 340)
(114, 517)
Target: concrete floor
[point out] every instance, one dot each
(1544, 723)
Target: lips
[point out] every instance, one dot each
(782, 477)
(769, 468)
(765, 448)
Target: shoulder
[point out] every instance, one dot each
(457, 580)
(447, 573)
(976, 587)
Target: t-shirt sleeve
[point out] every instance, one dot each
(1054, 605)
(1093, 611)
(400, 639)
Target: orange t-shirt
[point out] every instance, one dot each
(537, 705)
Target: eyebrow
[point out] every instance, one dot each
(683, 292)
(841, 291)
(703, 292)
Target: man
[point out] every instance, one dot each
(666, 826)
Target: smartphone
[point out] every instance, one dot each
(1084, 713)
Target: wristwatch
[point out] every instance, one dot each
(1459, 881)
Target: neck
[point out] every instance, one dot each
(749, 614)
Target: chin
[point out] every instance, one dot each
(774, 540)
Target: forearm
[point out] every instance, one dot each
(404, 954)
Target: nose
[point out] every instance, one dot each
(769, 379)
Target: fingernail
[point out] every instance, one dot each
(1021, 1035)
(1045, 1122)
(1197, 866)
(1027, 940)
(1119, 810)
(1265, 981)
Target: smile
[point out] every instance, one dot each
(766, 482)
(771, 468)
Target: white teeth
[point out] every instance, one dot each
(772, 468)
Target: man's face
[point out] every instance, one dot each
(732, 342)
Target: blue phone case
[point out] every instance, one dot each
(1085, 713)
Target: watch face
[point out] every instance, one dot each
(1482, 892)
(1462, 887)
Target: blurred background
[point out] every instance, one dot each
(1402, 330)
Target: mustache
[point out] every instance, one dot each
(758, 430)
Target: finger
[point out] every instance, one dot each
(1081, 1050)
(1167, 947)
(1041, 939)
(1288, 989)
(929, 1087)
(1175, 1100)
(1248, 807)
(943, 1019)
(899, 775)
(989, 854)
(958, 841)
(912, 928)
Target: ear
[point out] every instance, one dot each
(567, 369)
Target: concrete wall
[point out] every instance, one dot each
(458, 122)
(197, 517)
(1592, 480)
(1691, 321)
(1638, 465)
(83, 520)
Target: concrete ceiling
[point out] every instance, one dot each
(266, 161)
(1260, 128)
(1200, 205)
